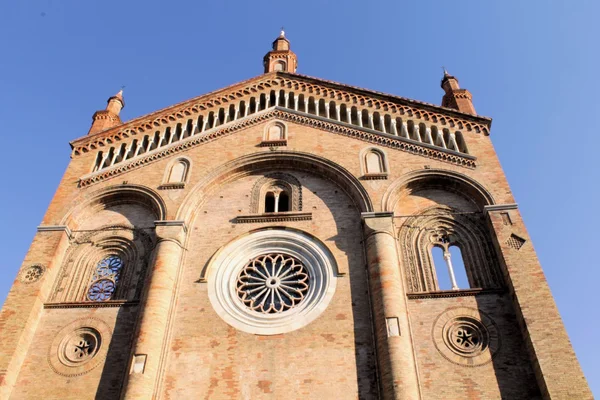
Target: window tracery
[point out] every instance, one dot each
(272, 283)
(439, 227)
(104, 264)
(105, 278)
(276, 192)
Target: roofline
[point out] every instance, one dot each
(399, 99)
(368, 92)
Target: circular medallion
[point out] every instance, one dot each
(272, 281)
(32, 274)
(79, 347)
(466, 336)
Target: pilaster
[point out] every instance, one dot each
(155, 311)
(398, 374)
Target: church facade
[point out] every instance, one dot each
(277, 239)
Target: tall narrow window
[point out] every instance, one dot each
(441, 268)
(458, 264)
(270, 202)
(284, 202)
(449, 266)
(105, 279)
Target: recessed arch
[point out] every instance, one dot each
(280, 160)
(113, 196)
(450, 180)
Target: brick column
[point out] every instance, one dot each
(397, 370)
(155, 310)
(554, 362)
(25, 302)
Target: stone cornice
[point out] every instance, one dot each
(454, 293)
(274, 217)
(297, 83)
(499, 207)
(92, 304)
(341, 128)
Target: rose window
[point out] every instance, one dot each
(105, 278)
(272, 283)
(101, 290)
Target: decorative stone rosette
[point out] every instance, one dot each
(79, 347)
(466, 336)
(32, 274)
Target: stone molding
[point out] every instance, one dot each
(500, 207)
(55, 228)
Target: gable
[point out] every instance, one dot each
(428, 131)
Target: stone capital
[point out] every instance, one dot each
(499, 207)
(378, 222)
(171, 230)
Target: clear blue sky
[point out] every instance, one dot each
(531, 65)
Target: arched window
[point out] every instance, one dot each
(449, 266)
(105, 278)
(176, 174)
(283, 204)
(277, 200)
(279, 66)
(275, 134)
(270, 202)
(447, 251)
(276, 192)
(373, 163)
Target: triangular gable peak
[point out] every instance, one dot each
(396, 122)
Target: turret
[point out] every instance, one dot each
(455, 97)
(109, 117)
(281, 58)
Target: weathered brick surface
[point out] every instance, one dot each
(332, 357)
